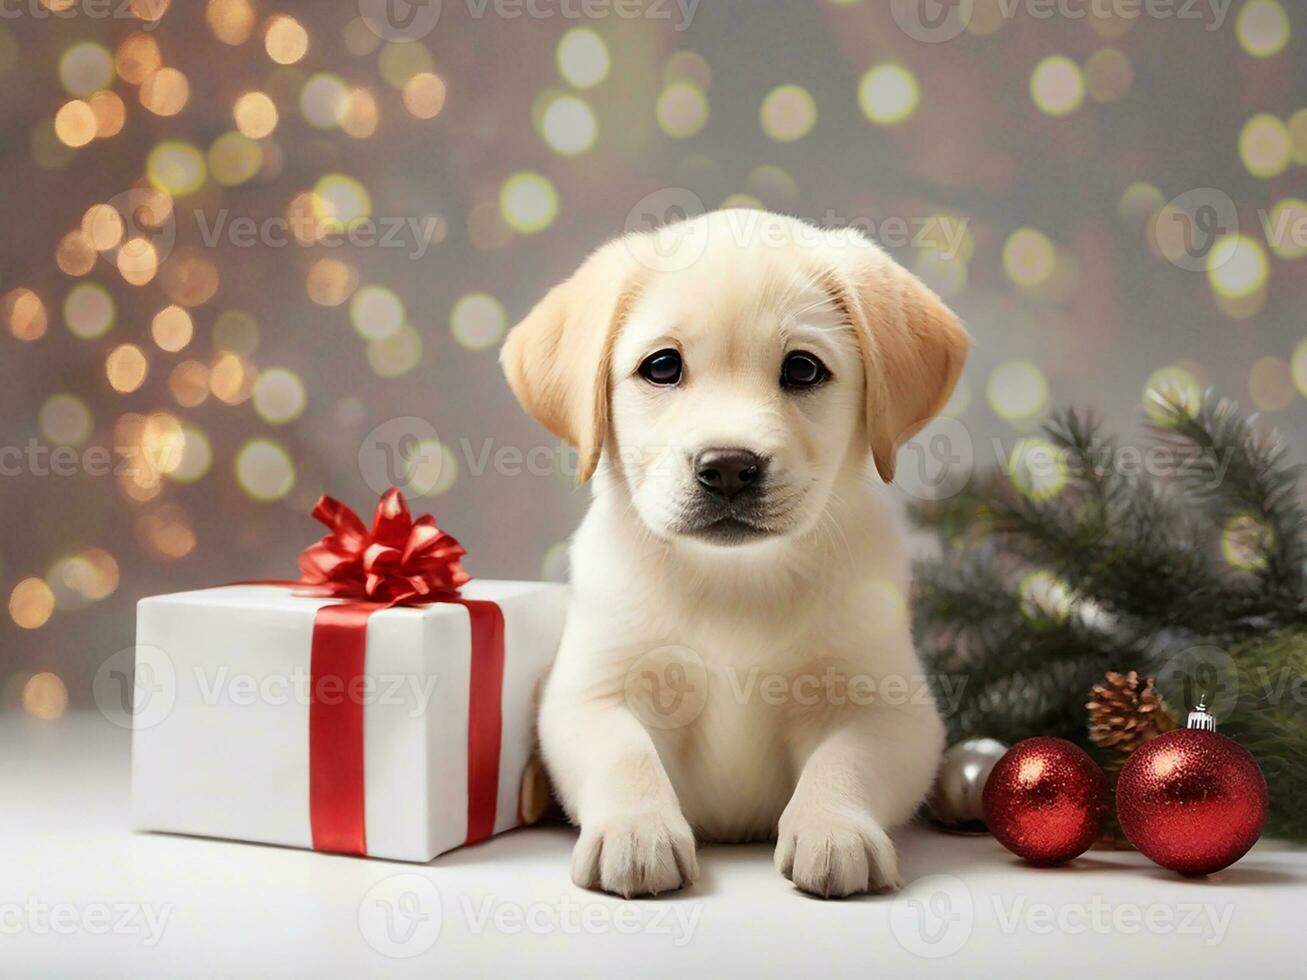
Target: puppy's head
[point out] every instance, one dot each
(731, 368)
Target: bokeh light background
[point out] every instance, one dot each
(1124, 192)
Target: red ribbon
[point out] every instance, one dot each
(399, 562)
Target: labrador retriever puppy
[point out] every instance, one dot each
(737, 663)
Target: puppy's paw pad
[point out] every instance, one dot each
(645, 854)
(835, 858)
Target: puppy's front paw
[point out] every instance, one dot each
(636, 855)
(836, 857)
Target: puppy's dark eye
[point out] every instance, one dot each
(802, 370)
(662, 368)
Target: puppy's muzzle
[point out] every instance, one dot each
(728, 473)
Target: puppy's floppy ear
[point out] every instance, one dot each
(557, 359)
(913, 347)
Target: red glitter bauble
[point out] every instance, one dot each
(1193, 801)
(1044, 800)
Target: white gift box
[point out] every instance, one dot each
(221, 746)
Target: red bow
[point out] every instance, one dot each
(400, 561)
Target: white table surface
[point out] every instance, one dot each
(81, 895)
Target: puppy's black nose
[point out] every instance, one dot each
(729, 472)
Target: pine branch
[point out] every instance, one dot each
(1236, 472)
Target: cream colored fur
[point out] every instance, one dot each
(695, 695)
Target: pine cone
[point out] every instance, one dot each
(1126, 711)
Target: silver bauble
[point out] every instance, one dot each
(954, 804)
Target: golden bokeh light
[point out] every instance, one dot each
(1298, 366)
(1057, 86)
(75, 123)
(65, 420)
(232, 379)
(1017, 391)
(75, 254)
(1237, 267)
(85, 67)
(176, 168)
(236, 332)
(94, 574)
(424, 95)
(45, 697)
(279, 396)
(340, 202)
(166, 532)
(324, 100)
(166, 92)
(1029, 258)
(1262, 27)
(1109, 75)
(430, 468)
(196, 457)
(331, 282)
(189, 278)
(688, 66)
(377, 312)
(89, 310)
(888, 94)
(172, 329)
(189, 383)
(360, 39)
(401, 60)
(1265, 146)
(255, 114)
(528, 202)
(788, 113)
(138, 58)
(138, 261)
(110, 114)
(234, 158)
(397, 354)
(583, 57)
(478, 321)
(264, 470)
(568, 126)
(682, 110)
(126, 367)
(361, 117)
(285, 40)
(102, 227)
(24, 314)
(1174, 385)
(31, 604)
(232, 21)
